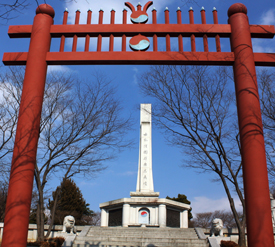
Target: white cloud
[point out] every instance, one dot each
(8, 89)
(60, 68)
(268, 18)
(265, 45)
(260, 45)
(204, 204)
(135, 69)
(85, 184)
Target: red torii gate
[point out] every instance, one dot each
(242, 58)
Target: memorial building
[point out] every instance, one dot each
(144, 208)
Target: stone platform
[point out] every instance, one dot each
(139, 237)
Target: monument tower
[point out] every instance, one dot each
(145, 185)
(144, 208)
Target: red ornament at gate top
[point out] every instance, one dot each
(139, 16)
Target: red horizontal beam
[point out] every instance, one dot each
(177, 58)
(146, 58)
(15, 58)
(224, 30)
(262, 31)
(74, 58)
(23, 31)
(161, 30)
(264, 59)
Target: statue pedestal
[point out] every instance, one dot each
(216, 241)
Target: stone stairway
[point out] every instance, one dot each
(139, 237)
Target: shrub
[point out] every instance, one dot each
(50, 242)
(228, 244)
(56, 242)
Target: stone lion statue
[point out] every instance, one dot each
(216, 228)
(68, 224)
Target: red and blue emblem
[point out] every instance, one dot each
(139, 43)
(143, 213)
(139, 16)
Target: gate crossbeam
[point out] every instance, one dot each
(149, 57)
(161, 30)
(145, 58)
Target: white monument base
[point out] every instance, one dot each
(144, 194)
(144, 212)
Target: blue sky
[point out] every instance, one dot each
(120, 177)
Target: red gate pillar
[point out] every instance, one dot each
(256, 189)
(25, 147)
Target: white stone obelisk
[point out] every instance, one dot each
(145, 186)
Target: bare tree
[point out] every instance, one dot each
(196, 110)
(81, 127)
(266, 83)
(93, 220)
(11, 8)
(189, 2)
(204, 220)
(8, 120)
(9, 101)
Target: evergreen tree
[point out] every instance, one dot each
(182, 198)
(3, 199)
(70, 202)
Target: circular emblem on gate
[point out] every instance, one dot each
(139, 19)
(144, 213)
(139, 43)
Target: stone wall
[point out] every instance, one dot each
(32, 234)
(56, 231)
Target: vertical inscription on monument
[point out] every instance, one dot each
(145, 177)
(145, 152)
